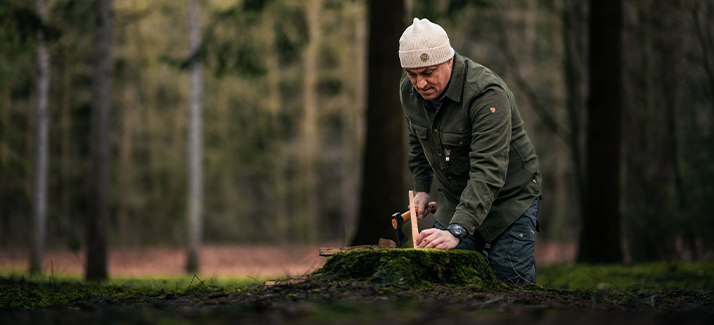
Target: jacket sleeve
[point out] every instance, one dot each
(418, 164)
(490, 116)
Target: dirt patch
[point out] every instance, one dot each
(235, 261)
(324, 301)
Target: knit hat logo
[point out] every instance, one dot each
(424, 44)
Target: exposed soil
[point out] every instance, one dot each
(307, 301)
(337, 300)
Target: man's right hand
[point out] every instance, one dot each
(421, 199)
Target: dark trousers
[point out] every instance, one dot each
(510, 255)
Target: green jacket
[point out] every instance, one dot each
(492, 174)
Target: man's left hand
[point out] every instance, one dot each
(435, 238)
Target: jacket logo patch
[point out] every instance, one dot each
(493, 110)
(424, 57)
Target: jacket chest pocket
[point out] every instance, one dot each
(458, 146)
(419, 131)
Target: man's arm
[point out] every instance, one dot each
(490, 116)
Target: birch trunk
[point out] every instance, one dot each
(195, 150)
(41, 146)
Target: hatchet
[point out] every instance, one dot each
(399, 219)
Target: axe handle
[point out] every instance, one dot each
(406, 216)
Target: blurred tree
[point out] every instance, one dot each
(41, 144)
(600, 234)
(310, 142)
(195, 141)
(384, 153)
(574, 38)
(98, 219)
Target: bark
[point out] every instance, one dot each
(572, 35)
(65, 162)
(600, 235)
(126, 173)
(195, 149)
(101, 105)
(5, 104)
(382, 191)
(41, 146)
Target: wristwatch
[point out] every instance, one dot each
(457, 230)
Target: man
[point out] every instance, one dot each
(465, 129)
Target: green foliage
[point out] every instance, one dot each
(409, 267)
(650, 277)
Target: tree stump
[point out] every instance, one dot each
(409, 267)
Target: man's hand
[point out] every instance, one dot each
(421, 199)
(435, 238)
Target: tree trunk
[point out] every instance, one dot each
(352, 134)
(600, 235)
(101, 105)
(41, 145)
(382, 190)
(195, 151)
(280, 156)
(574, 51)
(310, 138)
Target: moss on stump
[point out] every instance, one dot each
(409, 267)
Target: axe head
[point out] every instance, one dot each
(401, 237)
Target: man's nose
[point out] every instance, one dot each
(421, 83)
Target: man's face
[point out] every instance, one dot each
(431, 81)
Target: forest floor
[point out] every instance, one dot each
(659, 293)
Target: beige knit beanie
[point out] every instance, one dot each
(424, 44)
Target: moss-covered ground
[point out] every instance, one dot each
(567, 294)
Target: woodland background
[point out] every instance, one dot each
(284, 102)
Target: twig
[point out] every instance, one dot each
(190, 283)
(514, 270)
(254, 279)
(652, 301)
(199, 280)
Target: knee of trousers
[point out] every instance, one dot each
(511, 255)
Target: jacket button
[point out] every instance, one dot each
(520, 235)
(436, 130)
(440, 154)
(449, 177)
(461, 142)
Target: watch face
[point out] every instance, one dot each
(456, 230)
